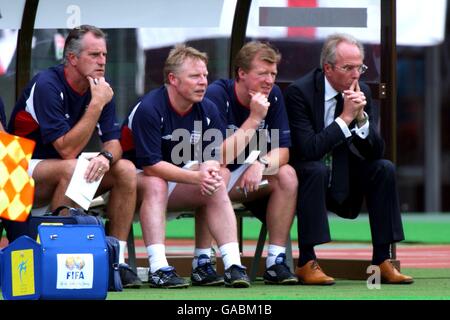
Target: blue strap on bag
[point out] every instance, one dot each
(114, 283)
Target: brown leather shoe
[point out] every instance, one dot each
(390, 274)
(312, 274)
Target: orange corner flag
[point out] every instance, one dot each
(16, 186)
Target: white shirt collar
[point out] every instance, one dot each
(330, 93)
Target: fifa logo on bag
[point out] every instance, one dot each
(75, 271)
(75, 266)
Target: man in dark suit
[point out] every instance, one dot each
(337, 153)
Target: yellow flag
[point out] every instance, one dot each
(16, 186)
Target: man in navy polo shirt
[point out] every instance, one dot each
(167, 129)
(252, 107)
(60, 109)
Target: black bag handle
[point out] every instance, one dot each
(72, 211)
(57, 211)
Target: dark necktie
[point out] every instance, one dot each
(339, 174)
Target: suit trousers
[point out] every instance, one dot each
(373, 181)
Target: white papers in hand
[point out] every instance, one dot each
(79, 190)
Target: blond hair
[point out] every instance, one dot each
(178, 55)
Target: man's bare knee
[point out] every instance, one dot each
(123, 168)
(151, 187)
(124, 173)
(287, 178)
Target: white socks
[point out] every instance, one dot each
(122, 246)
(273, 252)
(197, 253)
(230, 254)
(157, 257)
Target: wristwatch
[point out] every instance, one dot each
(108, 155)
(264, 162)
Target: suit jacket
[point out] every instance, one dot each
(311, 141)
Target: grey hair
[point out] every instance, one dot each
(73, 43)
(328, 54)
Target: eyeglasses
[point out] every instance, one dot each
(349, 68)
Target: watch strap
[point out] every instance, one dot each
(107, 155)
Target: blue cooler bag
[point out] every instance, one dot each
(74, 261)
